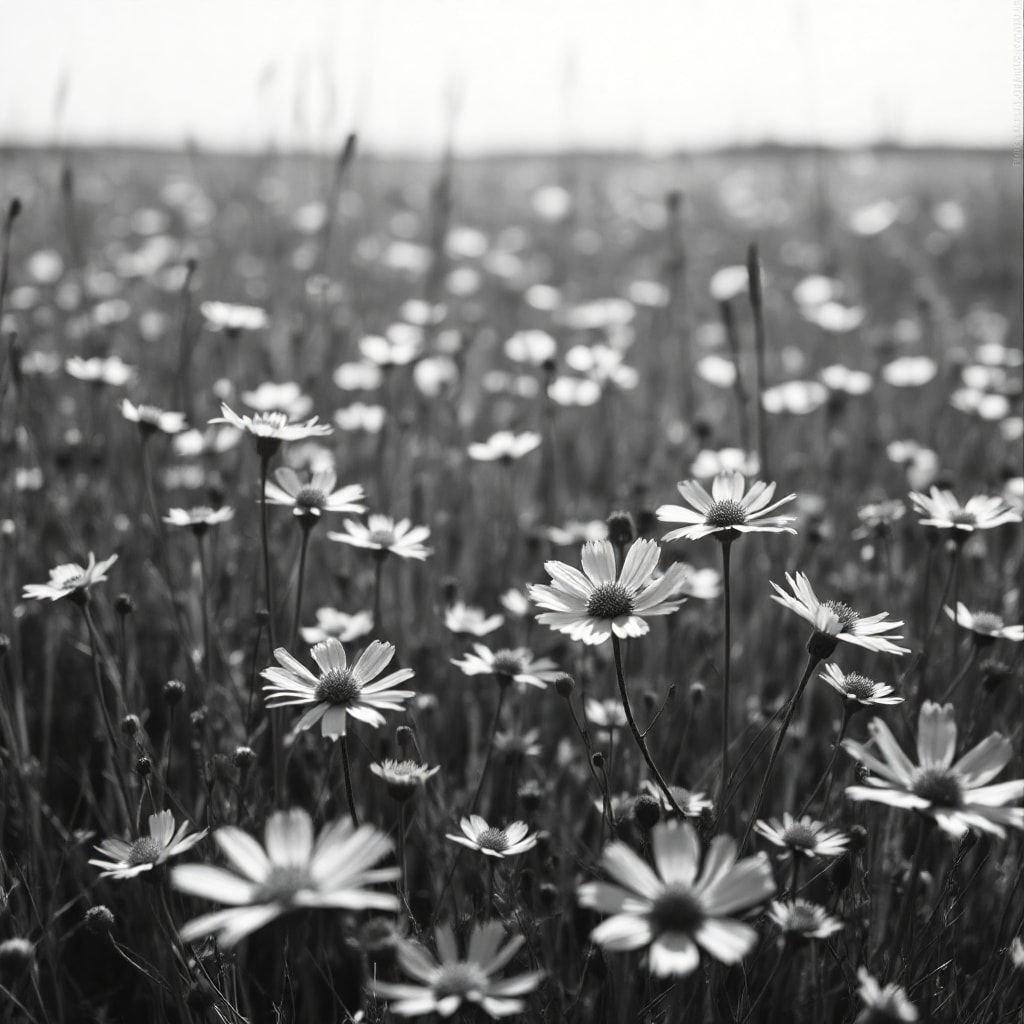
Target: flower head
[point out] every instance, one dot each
(986, 626)
(332, 623)
(233, 318)
(272, 428)
(443, 983)
(123, 859)
(200, 518)
(956, 793)
(592, 605)
(339, 691)
(678, 909)
(462, 619)
(383, 534)
(857, 690)
(940, 508)
(290, 872)
(308, 501)
(505, 446)
(287, 397)
(517, 665)
(402, 778)
(803, 836)
(883, 1004)
(151, 420)
(110, 371)
(801, 920)
(492, 840)
(691, 803)
(70, 580)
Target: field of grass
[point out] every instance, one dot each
(846, 326)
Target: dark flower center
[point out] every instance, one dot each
(859, 687)
(385, 538)
(802, 919)
(282, 884)
(609, 601)
(725, 513)
(493, 839)
(310, 498)
(939, 786)
(843, 613)
(459, 980)
(987, 622)
(338, 686)
(143, 851)
(963, 518)
(677, 909)
(507, 663)
(800, 836)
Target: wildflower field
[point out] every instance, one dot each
(569, 589)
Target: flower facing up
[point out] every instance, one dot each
(837, 620)
(505, 446)
(442, 985)
(200, 518)
(729, 509)
(465, 620)
(309, 501)
(122, 859)
(289, 872)
(339, 691)
(802, 836)
(986, 626)
(151, 420)
(70, 580)
(858, 691)
(272, 428)
(677, 909)
(955, 793)
(591, 605)
(332, 623)
(384, 535)
(516, 665)
(403, 778)
(941, 509)
(888, 1003)
(493, 841)
(801, 920)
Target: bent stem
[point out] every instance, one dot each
(812, 663)
(349, 795)
(637, 734)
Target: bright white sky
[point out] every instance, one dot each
(518, 73)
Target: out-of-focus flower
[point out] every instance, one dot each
(517, 665)
(384, 534)
(802, 836)
(984, 625)
(286, 397)
(709, 463)
(332, 623)
(603, 365)
(464, 620)
(402, 778)
(850, 382)
(200, 518)
(874, 218)
(151, 420)
(717, 371)
(110, 371)
(362, 376)
(579, 391)
(400, 347)
(313, 499)
(796, 397)
(883, 1004)
(941, 509)
(800, 920)
(515, 602)
(909, 371)
(728, 283)
(576, 532)
(504, 446)
(532, 347)
(359, 416)
(233, 318)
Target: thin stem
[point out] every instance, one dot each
(404, 894)
(276, 732)
(502, 690)
(962, 674)
(760, 345)
(812, 663)
(637, 735)
(349, 795)
(204, 585)
(303, 548)
(726, 676)
(378, 578)
(906, 910)
(827, 774)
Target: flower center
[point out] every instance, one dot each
(940, 786)
(609, 601)
(338, 686)
(269, 422)
(800, 836)
(963, 518)
(507, 663)
(385, 538)
(677, 909)
(859, 687)
(143, 851)
(493, 839)
(802, 919)
(725, 513)
(459, 980)
(987, 622)
(310, 498)
(282, 884)
(843, 613)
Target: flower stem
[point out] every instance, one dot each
(276, 735)
(502, 690)
(378, 578)
(812, 663)
(907, 907)
(726, 677)
(349, 795)
(204, 584)
(637, 735)
(303, 548)
(827, 774)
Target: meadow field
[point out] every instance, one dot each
(629, 629)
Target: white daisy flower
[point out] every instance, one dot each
(884, 1003)
(803, 836)
(516, 664)
(233, 318)
(287, 397)
(858, 690)
(338, 691)
(463, 619)
(122, 859)
(291, 872)
(332, 623)
(801, 920)
(273, 427)
(492, 840)
(591, 605)
(504, 446)
(383, 534)
(70, 580)
(942, 510)
(111, 371)
(402, 778)
(984, 625)
(151, 420)
(310, 500)
(955, 793)
(200, 518)
(676, 909)
(442, 985)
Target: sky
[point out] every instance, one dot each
(499, 75)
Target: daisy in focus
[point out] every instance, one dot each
(802, 836)
(516, 665)
(442, 985)
(290, 872)
(956, 793)
(729, 509)
(309, 501)
(70, 580)
(678, 909)
(272, 428)
(858, 691)
(122, 859)
(987, 627)
(384, 535)
(339, 691)
(590, 606)
(493, 841)
(838, 620)
(941, 509)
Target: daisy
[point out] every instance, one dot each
(338, 691)
(233, 318)
(941, 509)
(504, 446)
(360, 416)
(111, 371)
(384, 535)
(692, 804)
(462, 619)
(532, 346)
(607, 715)
(492, 840)
(70, 580)
(838, 621)
(802, 836)
(986, 626)
(591, 605)
(151, 420)
(308, 501)
(701, 584)
(123, 860)
(955, 793)
(272, 428)
(729, 509)
(332, 623)
(442, 985)
(287, 397)
(200, 518)
(858, 690)
(402, 778)
(291, 872)
(515, 665)
(801, 920)
(675, 910)
(521, 745)
(888, 1003)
